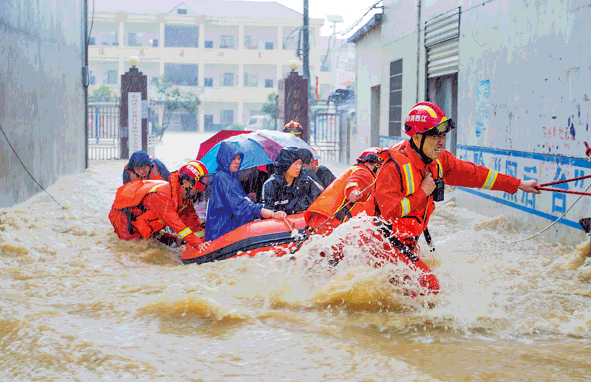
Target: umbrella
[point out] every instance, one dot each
(205, 146)
(260, 148)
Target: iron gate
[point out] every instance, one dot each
(330, 137)
(103, 131)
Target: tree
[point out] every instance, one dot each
(174, 99)
(270, 107)
(101, 94)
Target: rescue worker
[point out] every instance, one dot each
(293, 127)
(288, 189)
(346, 196)
(142, 208)
(142, 167)
(413, 175)
(229, 207)
(321, 173)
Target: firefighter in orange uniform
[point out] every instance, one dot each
(142, 208)
(413, 176)
(346, 195)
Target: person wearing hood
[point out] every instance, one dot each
(288, 189)
(229, 207)
(142, 167)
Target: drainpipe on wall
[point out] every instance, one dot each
(418, 44)
(85, 81)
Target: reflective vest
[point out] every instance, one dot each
(334, 199)
(154, 174)
(411, 224)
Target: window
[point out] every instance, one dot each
(209, 44)
(268, 46)
(395, 107)
(92, 80)
(154, 42)
(181, 11)
(208, 82)
(182, 74)
(268, 83)
(227, 117)
(250, 80)
(111, 77)
(228, 79)
(249, 42)
(181, 36)
(134, 39)
(91, 41)
(227, 42)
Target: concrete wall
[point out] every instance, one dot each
(369, 64)
(42, 106)
(523, 97)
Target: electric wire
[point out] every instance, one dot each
(25, 167)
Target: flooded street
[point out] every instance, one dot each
(78, 304)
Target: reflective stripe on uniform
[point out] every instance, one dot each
(405, 205)
(490, 179)
(185, 232)
(352, 184)
(408, 179)
(154, 188)
(200, 233)
(439, 168)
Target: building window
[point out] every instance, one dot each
(154, 42)
(111, 77)
(268, 46)
(395, 106)
(182, 74)
(208, 82)
(181, 11)
(250, 80)
(134, 39)
(91, 41)
(227, 42)
(250, 42)
(228, 79)
(181, 36)
(92, 80)
(268, 83)
(209, 44)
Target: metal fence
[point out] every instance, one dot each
(330, 137)
(103, 131)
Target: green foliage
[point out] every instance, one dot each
(270, 106)
(174, 100)
(101, 94)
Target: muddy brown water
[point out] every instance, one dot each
(77, 304)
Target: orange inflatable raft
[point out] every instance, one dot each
(250, 239)
(280, 236)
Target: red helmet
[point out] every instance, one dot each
(371, 155)
(195, 172)
(428, 118)
(293, 128)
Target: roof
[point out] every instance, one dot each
(219, 8)
(372, 24)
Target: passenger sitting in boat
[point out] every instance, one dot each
(142, 208)
(306, 156)
(229, 207)
(288, 189)
(142, 167)
(252, 180)
(345, 197)
(321, 173)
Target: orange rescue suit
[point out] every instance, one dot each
(399, 199)
(144, 207)
(336, 198)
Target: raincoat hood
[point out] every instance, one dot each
(287, 156)
(138, 159)
(226, 155)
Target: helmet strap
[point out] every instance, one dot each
(419, 150)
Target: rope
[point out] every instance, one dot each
(545, 229)
(25, 167)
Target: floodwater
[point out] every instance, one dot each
(77, 304)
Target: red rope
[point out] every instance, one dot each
(564, 191)
(565, 181)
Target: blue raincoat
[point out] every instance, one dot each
(229, 207)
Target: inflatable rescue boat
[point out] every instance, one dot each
(247, 240)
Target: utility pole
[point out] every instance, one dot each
(307, 70)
